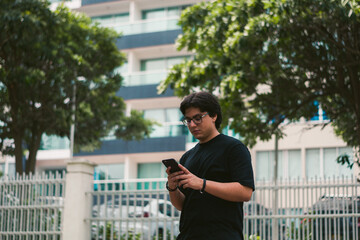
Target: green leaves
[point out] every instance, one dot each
(50, 62)
(272, 60)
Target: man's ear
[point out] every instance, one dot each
(214, 118)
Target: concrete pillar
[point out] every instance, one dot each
(134, 12)
(77, 205)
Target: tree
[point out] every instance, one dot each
(274, 61)
(55, 65)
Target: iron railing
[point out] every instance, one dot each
(31, 207)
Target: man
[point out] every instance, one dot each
(216, 176)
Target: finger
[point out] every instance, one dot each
(184, 169)
(168, 170)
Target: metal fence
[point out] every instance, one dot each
(305, 209)
(133, 209)
(314, 209)
(31, 207)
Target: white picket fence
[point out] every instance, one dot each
(36, 207)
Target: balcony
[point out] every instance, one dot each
(144, 78)
(118, 146)
(143, 26)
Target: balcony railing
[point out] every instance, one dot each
(144, 78)
(143, 26)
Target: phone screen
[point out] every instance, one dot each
(171, 163)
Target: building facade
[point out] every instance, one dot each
(149, 30)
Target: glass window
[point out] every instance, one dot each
(344, 170)
(168, 120)
(265, 165)
(280, 164)
(151, 170)
(173, 115)
(11, 170)
(294, 164)
(155, 114)
(163, 12)
(313, 163)
(154, 13)
(109, 171)
(54, 142)
(159, 116)
(111, 20)
(153, 64)
(174, 11)
(161, 63)
(330, 164)
(123, 68)
(175, 60)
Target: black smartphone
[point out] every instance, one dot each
(171, 163)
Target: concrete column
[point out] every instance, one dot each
(77, 205)
(134, 12)
(133, 63)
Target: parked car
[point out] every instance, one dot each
(146, 216)
(257, 220)
(335, 224)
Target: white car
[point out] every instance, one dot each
(148, 217)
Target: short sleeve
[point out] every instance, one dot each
(239, 165)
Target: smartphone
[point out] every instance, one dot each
(171, 163)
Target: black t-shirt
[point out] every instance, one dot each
(204, 216)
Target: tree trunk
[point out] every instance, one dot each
(33, 149)
(18, 154)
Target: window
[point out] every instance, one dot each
(265, 165)
(312, 163)
(54, 142)
(169, 120)
(331, 167)
(160, 63)
(294, 164)
(319, 163)
(109, 171)
(152, 71)
(11, 170)
(111, 20)
(163, 12)
(288, 166)
(151, 170)
(162, 19)
(123, 69)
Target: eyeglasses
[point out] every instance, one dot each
(197, 119)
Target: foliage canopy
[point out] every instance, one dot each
(55, 65)
(274, 61)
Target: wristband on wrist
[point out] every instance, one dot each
(170, 189)
(203, 187)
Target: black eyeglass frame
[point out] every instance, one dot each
(196, 119)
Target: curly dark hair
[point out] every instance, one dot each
(206, 102)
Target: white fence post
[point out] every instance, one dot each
(77, 205)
